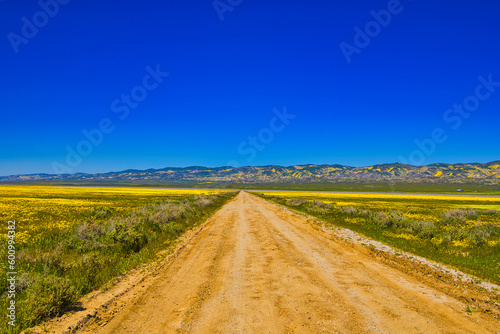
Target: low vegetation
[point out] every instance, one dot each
(72, 241)
(460, 231)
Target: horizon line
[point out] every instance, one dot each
(245, 166)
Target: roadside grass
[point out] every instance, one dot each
(448, 230)
(102, 234)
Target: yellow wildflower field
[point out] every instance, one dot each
(43, 210)
(415, 206)
(382, 196)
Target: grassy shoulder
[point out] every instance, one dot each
(55, 272)
(465, 238)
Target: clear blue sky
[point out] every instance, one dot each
(226, 77)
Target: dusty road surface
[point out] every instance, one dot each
(256, 268)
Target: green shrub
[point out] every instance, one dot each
(128, 234)
(424, 229)
(399, 220)
(482, 233)
(47, 296)
(381, 219)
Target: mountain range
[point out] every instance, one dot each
(487, 173)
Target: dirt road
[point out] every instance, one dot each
(255, 268)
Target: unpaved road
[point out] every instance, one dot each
(255, 268)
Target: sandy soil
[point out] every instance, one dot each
(257, 268)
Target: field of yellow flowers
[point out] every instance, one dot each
(41, 212)
(72, 240)
(458, 230)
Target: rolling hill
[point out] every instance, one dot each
(487, 173)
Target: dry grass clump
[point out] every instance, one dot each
(457, 217)
(203, 202)
(295, 202)
(319, 207)
(348, 210)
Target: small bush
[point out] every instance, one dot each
(382, 219)
(47, 296)
(479, 235)
(87, 236)
(482, 233)
(90, 264)
(295, 202)
(399, 220)
(349, 210)
(52, 258)
(364, 213)
(128, 234)
(319, 207)
(159, 217)
(24, 281)
(202, 201)
(316, 209)
(457, 217)
(321, 204)
(424, 229)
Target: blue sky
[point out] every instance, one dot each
(72, 70)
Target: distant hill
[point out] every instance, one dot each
(488, 173)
